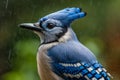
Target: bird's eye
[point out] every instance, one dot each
(50, 25)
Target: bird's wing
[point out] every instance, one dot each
(73, 61)
(80, 71)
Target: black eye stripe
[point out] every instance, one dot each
(62, 33)
(40, 23)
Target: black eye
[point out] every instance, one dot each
(50, 25)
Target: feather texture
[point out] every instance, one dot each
(66, 16)
(73, 61)
(61, 56)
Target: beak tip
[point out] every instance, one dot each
(20, 25)
(23, 25)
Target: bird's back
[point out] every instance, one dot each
(71, 51)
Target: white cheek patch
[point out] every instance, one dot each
(65, 37)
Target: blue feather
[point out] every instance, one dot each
(72, 61)
(68, 51)
(68, 58)
(82, 72)
(66, 16)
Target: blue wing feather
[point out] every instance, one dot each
(82, 72)
(73, 61)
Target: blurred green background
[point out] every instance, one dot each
(99, 31)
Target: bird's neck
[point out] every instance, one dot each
(69, 35)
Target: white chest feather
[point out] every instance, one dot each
(43, 65)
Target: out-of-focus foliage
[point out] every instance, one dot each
(24, 66)
(99, 31)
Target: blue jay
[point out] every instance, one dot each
(61, 56)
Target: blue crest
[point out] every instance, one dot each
(66, 16)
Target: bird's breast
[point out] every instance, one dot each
(43, 64)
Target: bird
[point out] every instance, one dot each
(61, 56)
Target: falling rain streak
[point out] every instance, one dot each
(6, 5)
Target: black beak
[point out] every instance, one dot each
(31, 26)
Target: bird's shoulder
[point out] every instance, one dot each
(70, 51)
(73, 61)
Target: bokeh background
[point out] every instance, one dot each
(99, 31)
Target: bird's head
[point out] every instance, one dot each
(55, 25)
